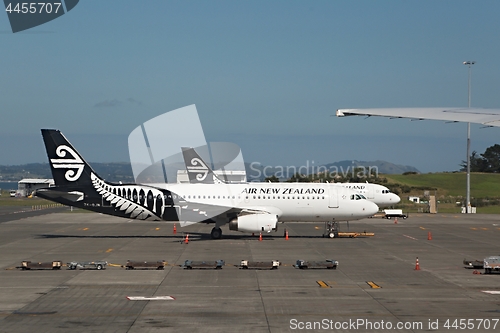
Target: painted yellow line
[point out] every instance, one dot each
(157, 229)
(109, 250)
(422, 228)
(85, 229)
(473, 228)
(484, 228)
(373, 285)
(323, 284)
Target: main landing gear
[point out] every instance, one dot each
(216, 233)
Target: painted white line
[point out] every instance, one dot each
(410, 237)
(153, 298)
(493, 292)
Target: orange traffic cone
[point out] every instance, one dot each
(286, 234)
(175, 229)
(395, 220)
(429, 236)
(260, 237)
(186, 241)
(417, 265)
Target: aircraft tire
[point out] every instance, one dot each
(331, 235)
(216, 233)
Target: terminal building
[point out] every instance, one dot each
(230, 176)
(25, 187)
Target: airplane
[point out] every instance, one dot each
(378, 194)
(245, 207)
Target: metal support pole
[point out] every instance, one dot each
(467, 195)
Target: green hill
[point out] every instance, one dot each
(449, 189)
(483, 185)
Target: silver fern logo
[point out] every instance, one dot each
(134, 210)
(74, 164)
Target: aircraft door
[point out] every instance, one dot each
(370, 191)
(333, 196)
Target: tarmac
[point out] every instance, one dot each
(376, 287)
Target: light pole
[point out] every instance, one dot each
(467, 200)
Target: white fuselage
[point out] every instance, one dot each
(289, 201)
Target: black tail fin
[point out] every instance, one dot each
(67, 165)
(198, 171)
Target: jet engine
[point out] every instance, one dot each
(254, 223)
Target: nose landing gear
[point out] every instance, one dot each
(331, 229)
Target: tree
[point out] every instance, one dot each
(298, 178)
(491, 159)
(476, 163)
(272, 179)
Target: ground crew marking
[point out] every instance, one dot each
(322, 284)
(373, 285)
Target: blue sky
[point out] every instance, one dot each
(266, 75)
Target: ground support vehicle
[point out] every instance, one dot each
(274, 264)
(160, 264)
(492, 264)
(190, 264)
(473, 263)
(328, 264)
(393, 213)
(26, 265)
(98, 265)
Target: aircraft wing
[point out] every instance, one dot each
(191, 212)
(487, 117)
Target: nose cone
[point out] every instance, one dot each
(394, 198)
(370, 208)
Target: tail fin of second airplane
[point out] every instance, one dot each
(198, 171)
(67, 165)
